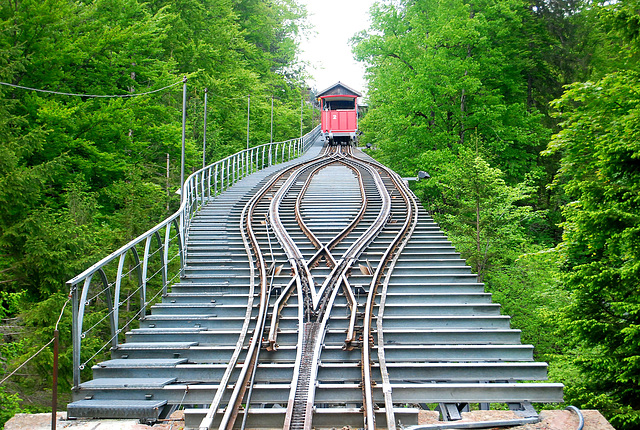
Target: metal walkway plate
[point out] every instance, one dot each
(146, 362)
(126, 383)
(140, 409)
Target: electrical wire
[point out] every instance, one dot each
(62, 312)
(89, 95)
(28, 360)
(40, 350)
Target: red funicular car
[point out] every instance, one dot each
(339, 105)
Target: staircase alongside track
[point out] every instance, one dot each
(445, 342)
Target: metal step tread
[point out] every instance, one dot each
(141, 409)
(172, 330)
(141, 362)
(131, 383)
(156, 345)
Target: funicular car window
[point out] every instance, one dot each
(341, 104)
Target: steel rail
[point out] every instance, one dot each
(382, 362)
(326, 248)
(368, 406)
(322, 250)
(363, 240)
(300, 269)
(255, 360)
(292, 250)
(389, 257)
(207, 421)
(295, 257)
(318, 344)
(275, 315)
(298, 360)
(230, 413)
(338, 273)
(298, 265)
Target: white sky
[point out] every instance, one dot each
(328, 51)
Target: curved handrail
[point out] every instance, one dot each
(170, 236)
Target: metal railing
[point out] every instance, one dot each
(119, 289)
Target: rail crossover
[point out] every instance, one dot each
(317, 294)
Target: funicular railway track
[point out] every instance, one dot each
(349, 306)
(279, 206)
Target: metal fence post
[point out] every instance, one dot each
(75, 334)
(184, 126)
(204, 133)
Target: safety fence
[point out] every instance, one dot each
(112, 295)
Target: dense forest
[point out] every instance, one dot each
(82, 175)
(526, 114)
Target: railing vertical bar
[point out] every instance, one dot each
(215, 181)
(222, 177)
(113, 323)
(143, 293)
(145, 268)
(116, 295)
(76, 328)
(165, 258)
(203, 177)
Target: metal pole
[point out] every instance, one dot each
(184, 127)
(301, 110)
(54, 391)
(204, 134)
(75, 333)
(168, 193)
(271, 141)
(248, 117)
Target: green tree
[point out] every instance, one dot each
(440, 73)
(601, 240)
(81, 175)
(599, 172)
(53, 141)
(483, 215)
(10, 406)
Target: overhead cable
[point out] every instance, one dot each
(89, 95)
(39, 351)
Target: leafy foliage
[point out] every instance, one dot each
(10, 405)
(600, 171)
(458, 67)
(81, 175)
